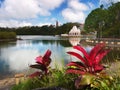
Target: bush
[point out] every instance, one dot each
(7, 35)
(56, 78)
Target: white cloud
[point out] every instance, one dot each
(72, 15)
(19, 9)
(14, 23)
(76, 5)
(75, 11)
(27, 8)
(41, 24)
(45, 6)
(108, 2)
(91, 5)
(12, 10)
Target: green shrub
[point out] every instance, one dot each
(7, 35)
(56, 78)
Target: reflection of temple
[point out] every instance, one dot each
(74, 31)
(74, 41)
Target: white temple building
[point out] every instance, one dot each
(74, 31)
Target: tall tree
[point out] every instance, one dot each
(96, 20)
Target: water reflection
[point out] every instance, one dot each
(74, 41)
(17, 56)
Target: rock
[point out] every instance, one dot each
(19, 78)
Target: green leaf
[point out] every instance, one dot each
(85, 79)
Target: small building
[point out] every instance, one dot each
(64, 35)
(74, 31)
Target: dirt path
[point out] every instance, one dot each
(7, 83)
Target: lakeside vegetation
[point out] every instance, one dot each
(7, 35)
(58, 80)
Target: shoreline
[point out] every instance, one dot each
(7, 83)
(8, 40)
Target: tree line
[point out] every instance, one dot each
(43, 30)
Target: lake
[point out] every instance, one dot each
(16, 56)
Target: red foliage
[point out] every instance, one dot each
(35, 74)
(42, 63)
(90, 62)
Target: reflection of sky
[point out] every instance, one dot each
(88, 49)
(19, 57)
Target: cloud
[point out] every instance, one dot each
(76, 5)
(107, 3)
(14, 23)
(47, 5)
(91, 5)
(75, 11)
(22, 9)
(41, 24)
(72, 15)
(27, 8)
(17, 10)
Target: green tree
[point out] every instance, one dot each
(96, 20)
(106, 21)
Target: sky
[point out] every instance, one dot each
(19, 13)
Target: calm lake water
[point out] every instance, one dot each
(15, 57)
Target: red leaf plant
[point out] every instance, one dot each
(90, 63)
(43, 63)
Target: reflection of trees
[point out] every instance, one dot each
(45, 42)
(7, 44)
(48, 42)
(64, 43)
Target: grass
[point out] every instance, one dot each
(56, 78)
